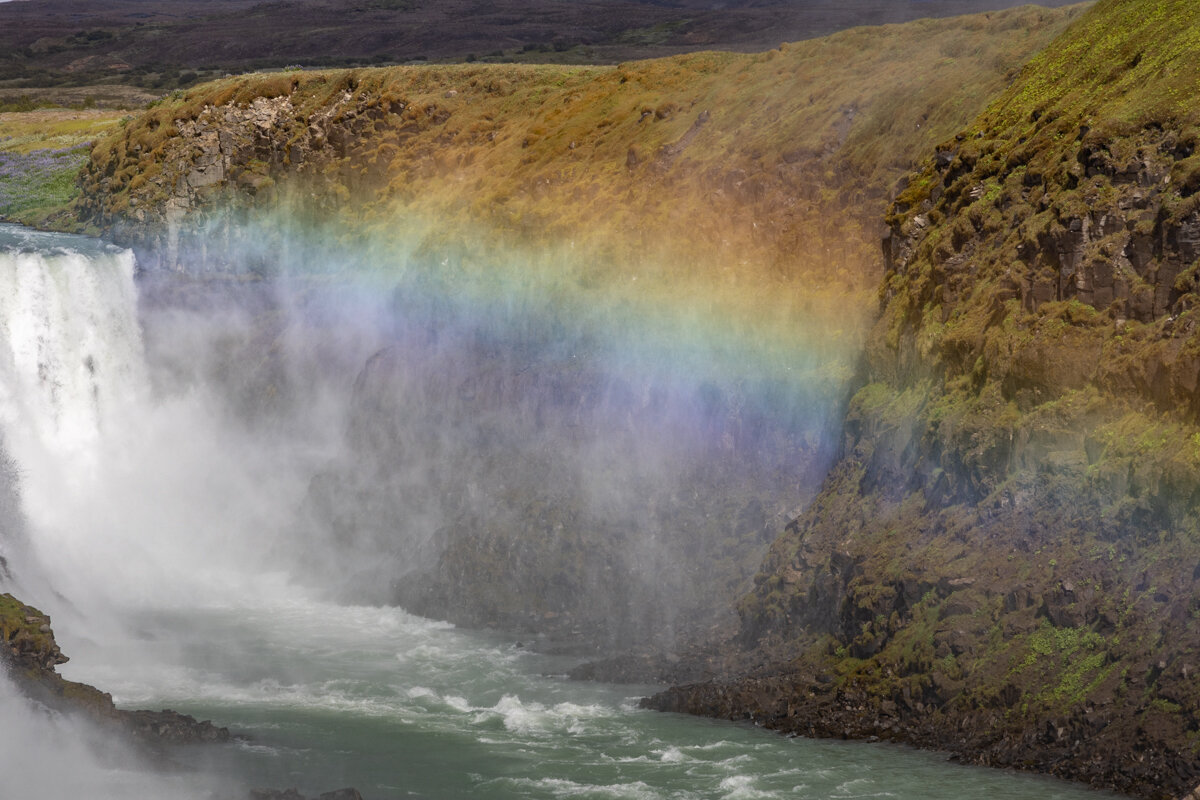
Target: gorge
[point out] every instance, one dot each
(587, 362)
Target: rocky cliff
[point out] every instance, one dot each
(1003, 562)
(772, 163)
(29, 655)
(626, 300)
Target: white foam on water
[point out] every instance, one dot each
(259, 749)
(531, 717)
(742, 787)
(860, 787)
(457, 703)
(562, 787)
(673, 755)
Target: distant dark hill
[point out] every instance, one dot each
(169, 44)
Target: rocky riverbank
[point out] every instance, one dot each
(30, 656)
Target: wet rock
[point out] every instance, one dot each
(173, 728)
(294, 794)
(31, 655)
(26, 640)
(341, 794)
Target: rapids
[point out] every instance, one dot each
(150, 527)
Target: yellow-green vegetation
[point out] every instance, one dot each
(24, 632)
(1010, 543)
(29, 654)
(51, 129)
(751, 182)
(41, 153)
(1128, 64)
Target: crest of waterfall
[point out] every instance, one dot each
(70, 352)
(132, 497)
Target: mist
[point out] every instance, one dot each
(530, 441)
(48, 754)
(384, 423)
(469, 436)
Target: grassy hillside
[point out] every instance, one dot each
(745, 169)
(1004, 562)
(41, 153)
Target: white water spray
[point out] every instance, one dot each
(134, 498)
(155, 514)
(71, 353)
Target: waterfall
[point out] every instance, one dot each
(70, 351)
(160, 522)
(133, 496)
(71, 365)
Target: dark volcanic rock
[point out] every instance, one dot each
(276, 794)
(172, 727)
(293, 794)
(341, 794)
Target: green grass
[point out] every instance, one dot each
(39, 181)
(41, 153)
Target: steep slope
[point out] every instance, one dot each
(1004, 561)
(779, 158)
(626, 302)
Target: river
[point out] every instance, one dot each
(149, 532)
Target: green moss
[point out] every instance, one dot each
(1164, 706)
(25, 643)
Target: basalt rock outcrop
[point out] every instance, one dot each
(29, 655)
(294, 794)
(1003, 563)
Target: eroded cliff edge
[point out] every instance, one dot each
(1003, 562)
(592, 475)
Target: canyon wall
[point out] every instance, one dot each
(1003, 562)
(626, 302)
